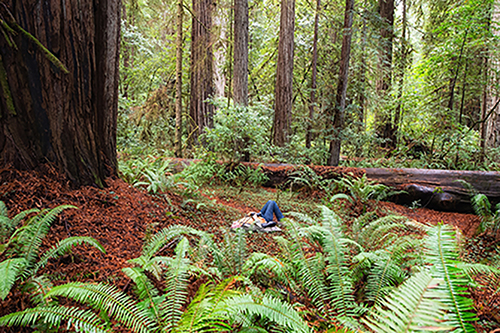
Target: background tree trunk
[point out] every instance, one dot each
(314, 65)
(493, 124)
(201, 112)
(240, 73)
(284, 75)
(384, 117)
(178, 82)
(401, 75)
(338, 123)
(48, 115)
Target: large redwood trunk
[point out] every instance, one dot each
(48, 115)
(240, 73)
(283, 93)
(201, 111)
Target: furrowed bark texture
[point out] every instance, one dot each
(284, 75)
(178, 82)
(201, 112)
(240, 73)
(340, 97)
(65, 118)
(383, 118)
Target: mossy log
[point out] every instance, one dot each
(436, 189)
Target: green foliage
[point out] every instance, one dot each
(361, 189)
(217, 306)
(209, 171)
(414, 307)
(22, 247)
(239, 132)
(304, 177)
(443, 255)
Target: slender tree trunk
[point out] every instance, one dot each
(284, 75)
(201, 111)
(314, 70)
(383, 117)
(61, 112)
(362, 76)
(178, 82)
(338, 124)
(230, 55)
(492, 135)
(454, 79)
(240, 73)
(401, 74)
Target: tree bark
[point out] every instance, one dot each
(240, 73)
(383, 117)
(201, 111)
(284, 75)
(401, 75)
(62, 112)
(492, 135)
(345, 54)
(314, 70)
(178, 81)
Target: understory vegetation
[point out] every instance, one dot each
(333, 269)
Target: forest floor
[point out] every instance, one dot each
(121, 216)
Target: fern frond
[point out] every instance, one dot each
(77, 319)
(413, 307)
(339, 276)
(472, 270)
(38, 287)
(19, 217)
(3, 209)
(308, 271)
(36, 228)
(263, 261)
(384, 276)
(232, 253)
(63, 247)
(443, 255)
(208, 310)
(271, 308)
(376, 234)
(481, 205)
(109, 299)
(145, 290)
(176, 281)
(10, 270)
(151, 265)
(165, 236)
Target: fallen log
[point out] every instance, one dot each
(436, 189)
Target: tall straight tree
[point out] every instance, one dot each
(62, 110)
(284, 75)
(314, 70)
(201, 111)
(178, 81)
(240, 72)
(401, 72)
(492, 131)
(384, 118)
(340, 96)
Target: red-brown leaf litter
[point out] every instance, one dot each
(119, 216)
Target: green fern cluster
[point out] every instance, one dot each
(21, 249)
(219, 305)
(381, 274)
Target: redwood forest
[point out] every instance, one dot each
(312, 166)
